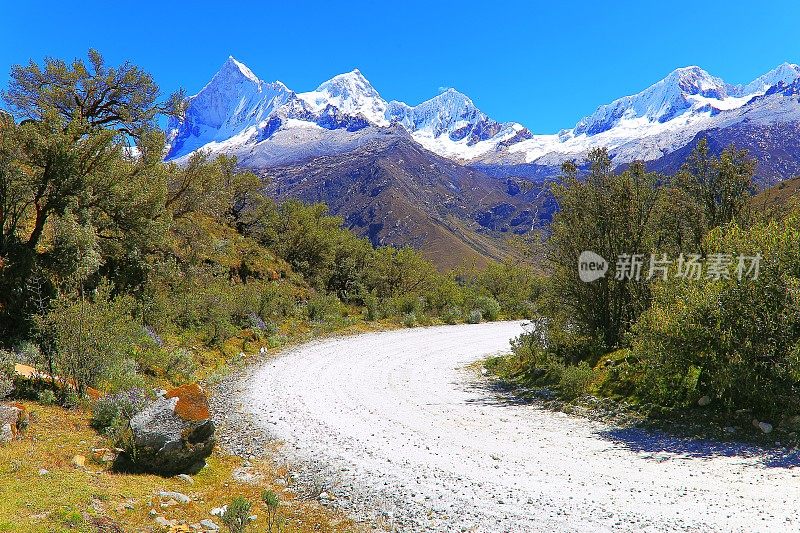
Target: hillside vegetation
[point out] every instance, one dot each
(726, 340)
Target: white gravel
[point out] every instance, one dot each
(399, 434)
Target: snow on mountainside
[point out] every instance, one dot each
(785, 73)
(351, 94)
(266, 124)
(232, 104)
(450, 125)
(657, 121)
(660, 102)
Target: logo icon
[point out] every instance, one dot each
(591, 266)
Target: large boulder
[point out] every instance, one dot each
(173, 435)
(13, 421)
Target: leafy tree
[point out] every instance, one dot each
(272, 501)
(71, 152)
(609, 214)
(400, 271)
(708, 192)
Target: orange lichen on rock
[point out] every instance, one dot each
(192, 402)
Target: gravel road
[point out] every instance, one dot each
(399, 434)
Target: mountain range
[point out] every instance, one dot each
(442, 175)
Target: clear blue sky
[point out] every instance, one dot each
(543, 64)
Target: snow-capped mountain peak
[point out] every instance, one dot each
(352, 94)
(661, 102)
(233, 102)
(694, 80)
(265, 123)
(785, 73)
(451, 125)
(234, 66)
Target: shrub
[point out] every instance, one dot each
(90, 338)
(734, 340)
(46, 397)
(575, 380)
(410, 320)
(404, 305)
(276, 341)
(271, 501)
(6, 387)
(516, 287)
(72, 399)
(112, 413)
(28, 353)
(323, 307)
(179, 366)
(237, 515)
(489, 307)
(452, 315)
(474, 317)
(122, 376)
(6, 373)
(371, 306)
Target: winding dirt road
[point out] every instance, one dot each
(402, 435)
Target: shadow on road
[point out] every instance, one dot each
(637, 439)
(648, 441)
(496, 392)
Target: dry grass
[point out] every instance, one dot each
(69, 498)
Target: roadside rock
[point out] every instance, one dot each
(765, 427)
(173, 435)
(13, 421)
(177, 496)
(209, 524)
(163, 522)
(705, 400)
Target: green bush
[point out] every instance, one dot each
(271, 501)
(7, 359)
(237, 515)
(475, 317)
(371, 306)
(111, 414)
(575, 380)
(122, 376)
(46, 397)
(488, 306)
(452, 315)
(323, 307)
(179, 366)
(736, 341)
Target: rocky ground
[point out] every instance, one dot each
(392, 428)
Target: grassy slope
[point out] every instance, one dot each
(68, 497)
(775, 200)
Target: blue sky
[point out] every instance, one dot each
(545, 64)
